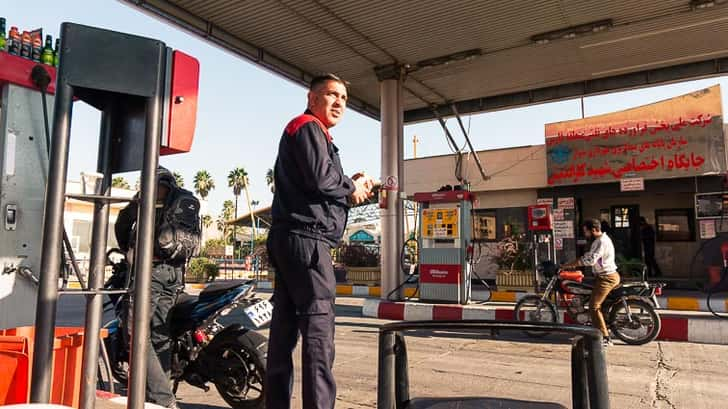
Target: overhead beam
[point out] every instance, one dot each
(171, 13)
(624, 82)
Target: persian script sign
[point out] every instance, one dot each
(678, 137)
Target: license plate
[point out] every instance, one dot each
(260, 313)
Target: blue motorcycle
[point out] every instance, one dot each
(232, 357)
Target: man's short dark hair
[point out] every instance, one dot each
(323, 78)
(593, 224)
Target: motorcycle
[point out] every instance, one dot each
(232, 357)
(629, 309)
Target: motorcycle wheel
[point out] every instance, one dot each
(241, 376)
(644, 326)
(532, 308)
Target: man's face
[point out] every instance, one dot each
(327, 101)
(588, 233)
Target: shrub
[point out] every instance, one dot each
(202, 269)
(357, 255)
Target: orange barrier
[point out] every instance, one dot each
(16, 355)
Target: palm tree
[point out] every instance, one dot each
(270, 180)
(120, 183)
(179, 179)
(238, 180)
(206, 221)
(224, 218)
(203, 183)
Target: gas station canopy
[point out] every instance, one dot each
(480, 55)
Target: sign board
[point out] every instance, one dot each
(566, 203)
(707, 229)
(390, 183)
(362, 236)
(632, 185)
(710, 205)
(546, 201)
(559, 243)
(558, 214)
(229, 250)
(678, 137)
(564, 229)
(440, 223)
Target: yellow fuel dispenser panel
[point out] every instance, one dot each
(440, 223)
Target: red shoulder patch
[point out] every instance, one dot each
(302, 120)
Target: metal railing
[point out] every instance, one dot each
(589, 388)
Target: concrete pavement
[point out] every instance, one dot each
(658, 375)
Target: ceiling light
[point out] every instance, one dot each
(705, 4)
(701, 4)
(449, 58)
(573, 32)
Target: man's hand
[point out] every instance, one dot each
(369, 182)
(361, 193)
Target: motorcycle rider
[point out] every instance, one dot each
(601, 258)
(167, 283)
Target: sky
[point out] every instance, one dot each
(242, 109)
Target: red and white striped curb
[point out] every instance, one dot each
(704, 330)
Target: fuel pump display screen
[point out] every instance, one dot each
(440, 223)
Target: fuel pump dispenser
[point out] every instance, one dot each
(444, 237)
(540, 224)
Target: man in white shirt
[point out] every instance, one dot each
(601, 258)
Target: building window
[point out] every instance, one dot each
(82, 230)
(675, 224)
(621, 217)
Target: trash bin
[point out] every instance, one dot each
(16, 356)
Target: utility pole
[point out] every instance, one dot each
(414, 146)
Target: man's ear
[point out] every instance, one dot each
(311, 97)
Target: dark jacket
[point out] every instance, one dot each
(125, 226)
(311, 195)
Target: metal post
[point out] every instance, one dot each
(386, 372)
(50, 265)
(144, 249)
(401, 371)
(400, 208)
(579, 384)
(97, 265)
(391, 217)
(597, 374)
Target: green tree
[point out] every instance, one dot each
(270, 180)
(224, 218)
(206, 220)
(238, 180)
(179, 179)
(203, 183)
(120, 183)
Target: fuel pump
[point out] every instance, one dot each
(540, 224)
(444, 239)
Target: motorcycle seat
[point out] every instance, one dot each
(183, 309)
(216, 289)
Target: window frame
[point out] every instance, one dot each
(689, 213)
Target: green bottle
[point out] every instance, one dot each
(57, 52)
(3, 37)
(47, 56)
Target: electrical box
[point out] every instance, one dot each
(23, 169)
(539, 218)
(444, 239)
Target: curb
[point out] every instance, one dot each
(703, 330)
(700, 304)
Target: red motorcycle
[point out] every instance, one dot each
(629, 309)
